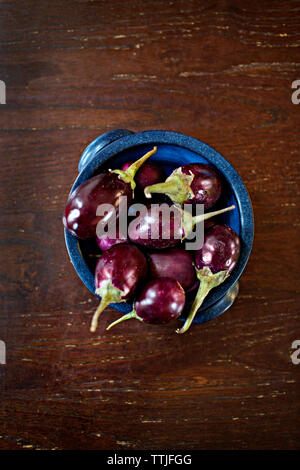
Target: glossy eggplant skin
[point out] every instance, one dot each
(80, 212)
(150, 173)
(124, 265)
(106, 241)
(142, 234)
(176, 263)
(206, 185)
(220, 250)
(161, 301)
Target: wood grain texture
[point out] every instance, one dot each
(220, 71)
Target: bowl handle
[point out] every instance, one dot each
(99, 143)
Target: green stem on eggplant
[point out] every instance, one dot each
(177, 186)
(129, 315)
(189, 221)
(128, 175)
(208, 281)
(109, 294)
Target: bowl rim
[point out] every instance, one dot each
(103, 155)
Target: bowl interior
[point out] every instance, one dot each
(173, 156)
(170, 157)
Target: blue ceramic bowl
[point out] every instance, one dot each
(113, 148)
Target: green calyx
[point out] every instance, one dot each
(177, 186)
(109, 294)
(128, 175)
(208, 281)
(189, 221)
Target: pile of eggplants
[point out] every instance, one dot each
(158, 274)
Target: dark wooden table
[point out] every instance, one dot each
(221, 72)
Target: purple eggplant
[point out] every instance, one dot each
(153, 229)
(161, 301)
(176, 263)
(119, 272)
(150, 173)
(195, 183)
(220, 250)
(161, 226)
(105, 242)
(80, 216)
(214, 262)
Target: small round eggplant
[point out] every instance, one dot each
(176, 263)
(161, 226)
(152, 229)
(214, 263)
(119, 272)
(220, 250)
(161, 301)
(195, 183)
(80, 216)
